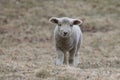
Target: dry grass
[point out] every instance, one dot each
(26, 39)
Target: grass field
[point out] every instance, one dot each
(27, 49)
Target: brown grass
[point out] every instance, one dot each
(26, 39)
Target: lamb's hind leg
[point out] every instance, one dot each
(60, 57)
(65, 58)
(73, 57)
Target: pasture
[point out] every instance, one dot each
(27, 50)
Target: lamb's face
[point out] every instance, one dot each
(65, 25)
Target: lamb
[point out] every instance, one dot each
(68, 37)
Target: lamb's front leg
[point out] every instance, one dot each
(76, 59)
(60, 57)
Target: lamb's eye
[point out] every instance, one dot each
(59, 24)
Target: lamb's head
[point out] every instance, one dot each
(65, 25)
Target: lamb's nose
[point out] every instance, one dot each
(65, 33)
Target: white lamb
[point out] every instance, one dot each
(68, 37)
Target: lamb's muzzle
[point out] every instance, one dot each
(68, 37)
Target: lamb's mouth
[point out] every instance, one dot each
(65, 35)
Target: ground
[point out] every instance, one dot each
(27, 50)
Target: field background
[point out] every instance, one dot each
(27, 49)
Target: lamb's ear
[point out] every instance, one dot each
(77, 22)
(54, 20)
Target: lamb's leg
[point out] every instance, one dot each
(60, 57)
(65, 58)
(76, 59)
(73, 58)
